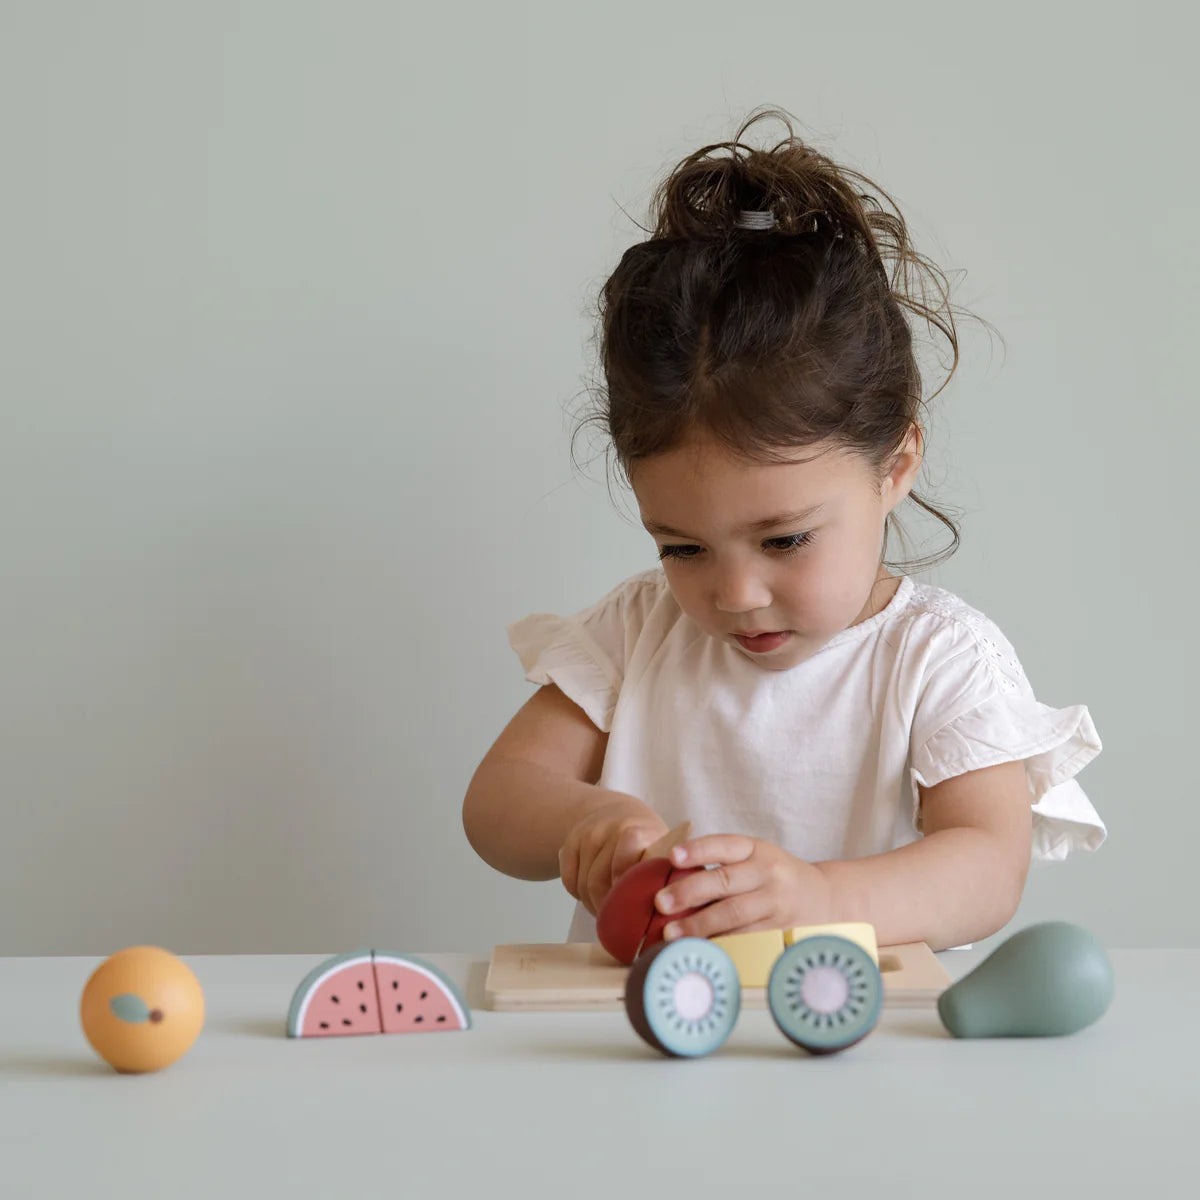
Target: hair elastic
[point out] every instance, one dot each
(753, 219)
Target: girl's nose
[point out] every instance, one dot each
(739, 590)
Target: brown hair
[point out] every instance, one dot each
(767, 339)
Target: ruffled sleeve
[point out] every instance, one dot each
(585, 654)
(977, 709)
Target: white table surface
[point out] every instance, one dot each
(576, 1105)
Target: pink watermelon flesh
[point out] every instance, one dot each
(343, 1003)
(415, 1001)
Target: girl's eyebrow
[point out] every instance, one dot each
(795, 518)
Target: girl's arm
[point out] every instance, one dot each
(963, 880)
(959, 883)
(535, 794)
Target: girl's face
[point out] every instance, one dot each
(774, 559)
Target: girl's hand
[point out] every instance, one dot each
(605, 844)
(754, 885)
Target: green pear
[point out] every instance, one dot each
(1044, 981)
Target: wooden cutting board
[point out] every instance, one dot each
(584, 977)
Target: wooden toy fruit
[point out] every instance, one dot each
(337, 998)
(753, 954)
(623, 916)
(415, 997)
(825, 993)
(628, 922)
(683, 997)
(142, 1009)
(861, 932)
(375, 991)
(1047, 980)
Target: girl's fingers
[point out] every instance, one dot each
(599, 878)
(669, 840)
(568, 866)
(631, 844)
(737, 914)
(704, 887)
(716, 848)
(629, 850)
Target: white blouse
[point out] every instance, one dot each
(822, 759)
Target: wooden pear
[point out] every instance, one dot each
(1047, 980)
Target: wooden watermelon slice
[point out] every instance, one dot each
(415, 997)
(337, 998)
(367, 991)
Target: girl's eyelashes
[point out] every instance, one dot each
(677, 552)
(782, 546)
(790, 543)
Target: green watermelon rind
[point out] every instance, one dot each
(411, 960)
(313, 980)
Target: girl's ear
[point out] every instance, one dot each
(902, 473)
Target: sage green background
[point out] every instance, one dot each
(296, 304)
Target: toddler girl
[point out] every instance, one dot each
(848, 744)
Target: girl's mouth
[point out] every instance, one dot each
(763, 643)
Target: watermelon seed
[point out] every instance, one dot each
(399, 1007)
(324, 1024)
(360, 985)
(362, 1008)
(418, 1019)
(440, 1019)
(334, 999)
(346, 1021)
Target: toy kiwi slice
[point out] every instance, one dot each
(825, 993)
(683, 997)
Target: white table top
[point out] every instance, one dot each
(576, 1105)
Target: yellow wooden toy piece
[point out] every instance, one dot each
(753, 954)
(860, 932)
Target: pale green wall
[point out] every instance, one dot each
(292, 297)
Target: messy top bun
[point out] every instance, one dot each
(767, 338)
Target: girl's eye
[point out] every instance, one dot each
(678, 552)
(781, 545)
(789, 544)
